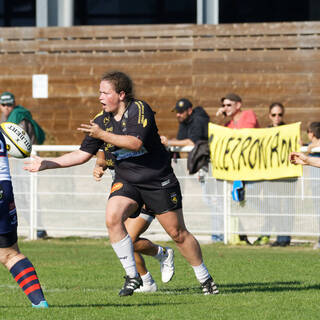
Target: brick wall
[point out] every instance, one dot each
(261, 62)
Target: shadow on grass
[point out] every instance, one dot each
(101, 305)
(276, 286)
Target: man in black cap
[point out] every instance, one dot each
(193, 125)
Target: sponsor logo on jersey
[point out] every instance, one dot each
(121, 154)
(174, 198)
(106, 120)
(145, 122)
(108, 146)
(164, 183)
(117, 186)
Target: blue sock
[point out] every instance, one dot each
(26, 277)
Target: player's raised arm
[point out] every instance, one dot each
(67, 160)
(122, 141)
(301, 158)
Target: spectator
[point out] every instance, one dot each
(193, 125)
(276, 115)
(314, 136)
(239, 119)
(231, 107)
(21, 116)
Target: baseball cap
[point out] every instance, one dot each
(182, 105)
(7, 98)
(232, 97)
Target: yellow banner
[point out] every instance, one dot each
(254, 154)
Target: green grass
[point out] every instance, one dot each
(81, 279)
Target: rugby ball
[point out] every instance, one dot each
(18, 141)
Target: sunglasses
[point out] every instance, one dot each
(6, 105)
(276, 114)
(227, 105)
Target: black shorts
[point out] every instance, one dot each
(156, 201)
(8, 214)
(8, 239)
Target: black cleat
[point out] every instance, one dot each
(209, 287)
(130, 285)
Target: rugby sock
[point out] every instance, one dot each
(124, 251)
(26, 277)
(161, 252)
(201, 272)
(147, 279)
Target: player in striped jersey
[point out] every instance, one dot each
(20, 266)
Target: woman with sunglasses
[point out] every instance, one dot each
(276, 114)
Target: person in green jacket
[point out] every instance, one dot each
(21, 116)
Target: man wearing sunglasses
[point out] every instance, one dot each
(231, 105)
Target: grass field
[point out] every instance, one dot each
(81, 279)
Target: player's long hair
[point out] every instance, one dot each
(121, 82)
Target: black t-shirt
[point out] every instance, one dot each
(195, 127)
(150, 167)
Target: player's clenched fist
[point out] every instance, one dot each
(98, 173)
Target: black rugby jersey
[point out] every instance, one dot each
(150, 167)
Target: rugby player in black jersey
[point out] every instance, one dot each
(135, 227)
(143, 175)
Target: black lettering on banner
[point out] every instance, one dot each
(220, 160)
(238, 144)
(255, 152)
(263, 152)
(215, 154)
(227, 150)
(274, 149)
(284, 151)
(244, 147)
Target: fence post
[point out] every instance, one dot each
(225, 213)
(33, 203)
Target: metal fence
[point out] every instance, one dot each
(69, 202)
